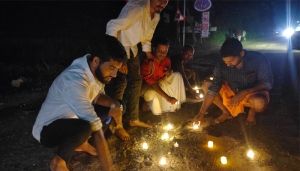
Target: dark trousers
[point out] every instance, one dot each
(128, 88)
(67, 134)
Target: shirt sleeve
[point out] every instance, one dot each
(217, 82)
(265, 75)
(75, 95)
(147, 71)
(129, 14)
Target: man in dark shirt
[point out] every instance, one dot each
(243, 79)
(179, 65)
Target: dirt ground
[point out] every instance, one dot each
(275, 139)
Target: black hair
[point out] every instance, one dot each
(160, 41)
(231, 47)
(187, 48)
(106, 49)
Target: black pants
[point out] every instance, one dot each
(68, 134)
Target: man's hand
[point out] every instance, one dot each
(116, 112)
(235, 100)
(103, 150)
(124, 69)
(172, 100)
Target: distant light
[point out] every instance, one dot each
(168, 127)
(165, 136)
(145, 146)
(250, 154)
(176, 145)
(211, 78)
(223, 160)
(210, 144)
(288, 32)
(163, 161)
(297, 28)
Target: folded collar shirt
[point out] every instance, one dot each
(134, 25)
(71, 95)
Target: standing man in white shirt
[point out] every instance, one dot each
(135, 24)
(67, 117)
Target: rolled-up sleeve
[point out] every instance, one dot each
(217, 82)
(76, 97)
(129, 14)
(264, 71)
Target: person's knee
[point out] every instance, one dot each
(149, 95)
(259, 103)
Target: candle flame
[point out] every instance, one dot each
(145, 146)
(224, 160)
(163, 161)
(165, 136)
(201, 95)
(210, 144)
(168, 127)
(211, 78)
(250, 154)
(196, 125)
(176, 145)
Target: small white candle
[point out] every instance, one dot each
(196, 125)
(211, 78)
(196, 88)
(176, 145)
(165, 136)
(201, 95)
(210, 144)
(250, 154)
(223, 160)
(197, 91)
(145, 146)
(163, 161)
(168, 127)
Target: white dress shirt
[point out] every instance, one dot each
(71, 96)
(134, 25)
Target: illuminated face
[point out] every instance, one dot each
(158, 5)
(187, 56)
(232, 61)
(107, 70)
(161, 51)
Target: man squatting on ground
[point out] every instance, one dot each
(243, 79)
(67, 117)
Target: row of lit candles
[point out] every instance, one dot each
(210, 144)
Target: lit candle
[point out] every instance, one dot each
(163, 161)
(224, 160)
(201, 95)
(196, 88)
(168, 127)
(196, 125)
(165, 136)
(176, 145)
(211, 78)
(210, 144)
(250, 154)
(198, 91)
(145, 146)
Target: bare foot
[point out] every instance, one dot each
(58, 164)
(139, 123)
(122, 134)
(222, 118)
(86, 147)
(251, 119)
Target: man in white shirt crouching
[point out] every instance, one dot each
(67, 117)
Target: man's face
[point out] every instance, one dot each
(107, 70)
(158, 5)
(232, 61)
(161, 51)
(187, 55)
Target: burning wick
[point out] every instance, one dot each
(211, 78)
(176, 145)
(196, 125)
(224, 160)
(145, 146)
(165, 136)
(210, 144)
(168, 127)
(196, 88)
(197, 91)
(201, 95)
(163, 161)
(250, 154)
